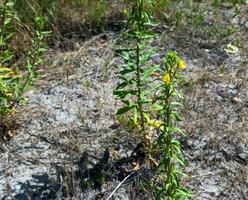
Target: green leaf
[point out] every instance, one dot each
(175, 179)
(183, 192)
(46, 33)
(126, 56)
(9, 36)
(7, 58)
(126, 102)
(175, 103)
(178, 94)
(120, 51)
(42, 49)
(7, 21)
(150, 23)
(127, 70)
(178, 130)
(125, 109)
(122, 93)
(10, 4)
(122, 85)
(176, 145)
(174, 115)
(180, 160)
(178, 171)
(157, 106)
(135, 116)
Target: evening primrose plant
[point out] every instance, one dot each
(150, 93)
(135, 71)
(166, 183)
(8, 77)
(16, 77)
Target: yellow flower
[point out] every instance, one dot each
(5, 70)
(158, 124)
(182, 64)
(166, 78)
(8, 94)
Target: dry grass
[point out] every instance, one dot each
(215, 117)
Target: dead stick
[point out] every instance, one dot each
(119, 185)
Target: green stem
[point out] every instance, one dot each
(3, 26)
(138, 18)
(140, 103)
(27, 78)
(167, 120)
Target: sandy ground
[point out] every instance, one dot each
(69, 144)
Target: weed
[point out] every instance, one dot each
(16, 77)
(198, 20)
(134, 75)
(152, 100)
(222, 70)
(86, 85)
(168, 148)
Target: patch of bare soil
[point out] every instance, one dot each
(69, 143)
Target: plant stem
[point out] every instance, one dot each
(140, 103)
(27, 78)
(168, 138)
(3, 43)
(140, 25)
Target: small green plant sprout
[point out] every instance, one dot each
(168, 148)
(222, 70)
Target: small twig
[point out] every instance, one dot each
(119, 185)
(206, 174)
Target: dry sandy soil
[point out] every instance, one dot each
(68, 142)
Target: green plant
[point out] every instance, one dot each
(7, 75)
(198, 20)
(151, 100)
(222, 70)
(7, 30)
(167, 183)
(135, 72)
(34, 56)
(16, 75)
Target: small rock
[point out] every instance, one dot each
(237, 100)
(242, 156)
(246, 25)
(190, 143)
(218, 98)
